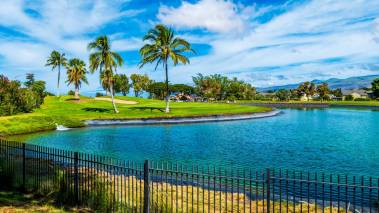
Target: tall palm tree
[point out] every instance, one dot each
(161, 47)
(104, 60)
(76, 74)
(56, 59)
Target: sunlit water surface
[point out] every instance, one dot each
(331, 140)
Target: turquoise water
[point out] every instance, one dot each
(331, 140)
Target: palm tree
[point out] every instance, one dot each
(104, 60)
(162, 47)
(76, 74)
(56, 59)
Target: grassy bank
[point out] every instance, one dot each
(71, 113)
(332, 103)
(16, 202)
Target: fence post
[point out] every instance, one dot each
(146, 188)
(268, 183)
(23, 168)
(76, 177)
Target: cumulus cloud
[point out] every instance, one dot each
(44, 25)
(264, 45)
(214, 15)
(300, 44)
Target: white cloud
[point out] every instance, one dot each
(307, 40)
(46, 25)
(213, 15)
(127, 44)
(296, 45)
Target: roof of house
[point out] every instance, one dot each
(357, 91)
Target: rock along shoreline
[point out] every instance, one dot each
(179, 120)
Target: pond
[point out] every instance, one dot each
(334, 140)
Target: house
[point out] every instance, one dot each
(335, 98)
(358, 93)
(181, 97)
(304, 97)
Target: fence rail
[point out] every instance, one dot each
(110, 185)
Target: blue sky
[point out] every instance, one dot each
(260, 41)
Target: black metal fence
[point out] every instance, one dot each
(110, 185)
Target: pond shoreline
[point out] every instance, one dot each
(311, 105)
(179, 120)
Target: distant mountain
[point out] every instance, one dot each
(345, 84)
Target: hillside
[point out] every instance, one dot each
(345, 84)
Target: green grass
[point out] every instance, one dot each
(72, 113)
(17, 202)
(357, 103)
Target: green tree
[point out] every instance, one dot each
(283, 95)
(182, 88)
(208, 86)
(76, 74)
(39, 89)
(161, 47)
(105, 60)
(375, 87)
(323, 91)
(121, 84)
(306, 88)
(157, 90)
(294, 94)
(337, 92)
(15, 99)
(140, 83)
(220, 87)
(57, 59)
(29, 80)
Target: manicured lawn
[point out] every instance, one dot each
(72, 113)
(358, 103)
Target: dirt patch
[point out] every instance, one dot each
(117, 101)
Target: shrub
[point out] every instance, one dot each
(99, 94)
(16, 99)
(72, 93)
(349, 98)
(361, 99)
(49, 94)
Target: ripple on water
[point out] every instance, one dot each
(334, 140)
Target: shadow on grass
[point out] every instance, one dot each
(12, 201)
(147, 108)
(72, 99)
(94, 109)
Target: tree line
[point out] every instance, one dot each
(211, 87)
(161, 48)
(17, 97)
(308, 90)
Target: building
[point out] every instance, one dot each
(358, 93)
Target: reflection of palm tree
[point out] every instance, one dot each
(56, 59)
(76, 74)
(106, 61)
(163, 46)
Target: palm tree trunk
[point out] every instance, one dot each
(167, 90)
(112, 95)
(77, 93)
(59, 76)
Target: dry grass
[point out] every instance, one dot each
(127, 191)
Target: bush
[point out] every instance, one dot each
(49, 94)
(349, 98)
(361, 99)
(72, 93)
(99, 94)
(16, 99)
